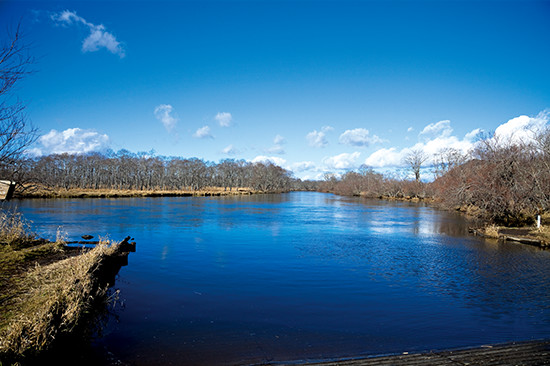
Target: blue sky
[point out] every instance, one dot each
(315, 86)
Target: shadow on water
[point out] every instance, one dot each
(252, 279)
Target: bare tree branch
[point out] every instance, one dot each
(16, 133)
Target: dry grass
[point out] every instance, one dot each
(14, 229)
(46, 290)
(492, 231)
(19, 248)
(543, 233)
(45, 192)
(53, 300)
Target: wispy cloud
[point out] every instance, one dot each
(318, 138)
(230, 150)
(359, 137)
(203, 133)
(71, 141)
(164, 113)
(279, 140)
(277, 147)
(439, 129)
(224, 119)
(474, 134)
(303, 166)
(98, 38)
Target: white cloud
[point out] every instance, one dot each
(230, 150)
(203, 133)
(522, 129)
(359, 137)
(271, 159)
(71, 141)
(410, 129)
(342, 161)
(434, 138)
(98, 37)
(438, 136)
(384, 158)
(318, 138)
(224, 119)
(163, 113)
(439, 129)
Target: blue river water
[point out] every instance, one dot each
(302, 276)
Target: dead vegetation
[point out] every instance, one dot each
(47, 289)
(38, 191)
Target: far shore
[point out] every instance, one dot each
(118, 193)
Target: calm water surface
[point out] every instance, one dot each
(299, 276)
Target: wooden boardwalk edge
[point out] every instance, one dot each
(528, 353)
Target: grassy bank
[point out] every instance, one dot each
(45, 192)
(47, 290)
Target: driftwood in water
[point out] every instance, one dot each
(529, 241)
(523, 239)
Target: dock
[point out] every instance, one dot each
(6, 189)
(529, 353)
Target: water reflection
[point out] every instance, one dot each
(304, 275)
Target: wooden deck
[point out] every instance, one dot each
(521, 353)
(6, 189)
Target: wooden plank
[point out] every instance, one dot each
(521, 353)
(6, 189)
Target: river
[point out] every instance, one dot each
(302, 276)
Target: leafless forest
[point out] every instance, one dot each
(127, 171)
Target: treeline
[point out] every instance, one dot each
(368, 183)
(504, 182)
(128, 171)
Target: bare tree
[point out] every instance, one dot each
(16, 134)
(447, 159)
(415, 159)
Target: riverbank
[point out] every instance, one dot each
(49, 291)
(531, 235)
(539, 237)
(45, 192)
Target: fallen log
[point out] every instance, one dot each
(535, 242)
